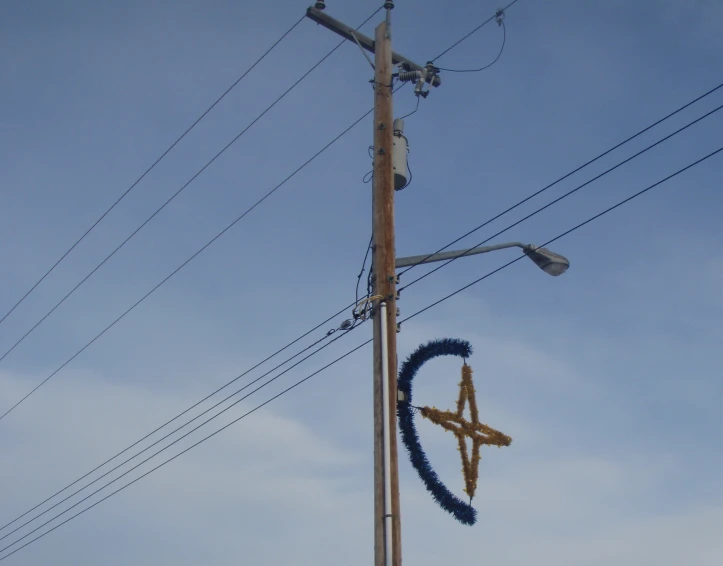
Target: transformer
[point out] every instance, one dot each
(399, 156)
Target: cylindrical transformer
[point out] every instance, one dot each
(399, 157)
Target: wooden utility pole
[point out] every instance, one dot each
(383, 256)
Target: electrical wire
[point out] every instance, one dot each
(576, 170)
(361, 272)
(567, 194)
(219, 403)
(363, 309)
(198, 403)
(186, 411)
(277, 352)
(348, 306)
(165, 448)
(183, 187)
(156, 162)
(409, 181)
(669, 115)
(368, 177)
(619, 204)
(296, 384)
(293, 386)
(148, 294)
(413, 111)
(492, 18)
(136, 443)
(370, 150)
(504, 40)
(238, 219)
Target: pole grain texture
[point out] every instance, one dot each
(385, 285)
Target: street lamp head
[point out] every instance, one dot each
(550, 262)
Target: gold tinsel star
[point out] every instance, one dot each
(462, 428)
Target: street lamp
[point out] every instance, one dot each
(550, 262)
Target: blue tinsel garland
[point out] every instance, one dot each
(462, 511)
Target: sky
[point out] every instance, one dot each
(607, 378)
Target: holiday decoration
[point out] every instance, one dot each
(453, 421)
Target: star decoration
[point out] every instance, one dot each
(479, 433)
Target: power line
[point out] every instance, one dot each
(156, 162)
(590, 162)
(168, 201)
(179, 191)
(184, 412)
(170, 434)
(619, 204)
(511, 262)
(475, 30)
(416, 108)
(192, 446)
(504, 40)
(361, 271)
(327, 335)
(238, 219)
(180, 267)
(169, 445)
(567, 194)
(136, 443)
(194, 406)
(428, 307)
(411, 283)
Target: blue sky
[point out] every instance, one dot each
(607, 378)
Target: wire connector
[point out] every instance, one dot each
(499, 16)
(365, 309)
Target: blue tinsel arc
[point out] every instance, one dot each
(463, 512)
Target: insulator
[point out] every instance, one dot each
(406, 76)
(389, 5)
(320, 5)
